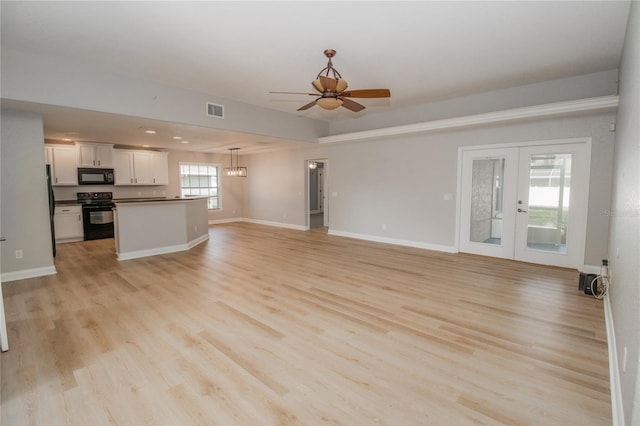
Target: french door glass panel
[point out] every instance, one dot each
(487, 183)
(549, 196)
(552, 197)
(488, 189)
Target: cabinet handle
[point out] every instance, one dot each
(94, 162)
(56, 180)
(136, 180)
(131, 180)
(79, 217)
(98, 162)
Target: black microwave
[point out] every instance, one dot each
(95, 176)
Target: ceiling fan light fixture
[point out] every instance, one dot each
(342, 85)
(329, 103)
(318, 85)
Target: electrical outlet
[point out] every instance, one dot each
(18, 254)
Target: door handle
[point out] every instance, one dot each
(3, 239)
(521, 211)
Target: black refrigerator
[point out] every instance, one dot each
(52, 209)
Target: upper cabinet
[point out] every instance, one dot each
(140, 167)
(161, 168)
(95, 154)
(64, 167)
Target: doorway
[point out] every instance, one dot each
(316, 200)
(525, 203)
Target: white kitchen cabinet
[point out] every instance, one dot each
(67, 222)
(64, 168)
(160, 168)
(122, 167)
(95, 154)
(143, 167)
(140, 168)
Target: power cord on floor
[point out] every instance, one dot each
(600, 286)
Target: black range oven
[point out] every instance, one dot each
(97, 214)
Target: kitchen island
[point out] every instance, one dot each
(147, 227)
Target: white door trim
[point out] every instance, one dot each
(325, 204)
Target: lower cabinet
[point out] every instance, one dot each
(67, 221)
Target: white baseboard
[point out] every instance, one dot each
(407, 243)
(230, 220)
(196, 241)
(162, 250)
(27, 273)
(277, 224)
(617, 411)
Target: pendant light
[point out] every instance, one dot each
(236, 171)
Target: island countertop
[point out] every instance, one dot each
(156, 199)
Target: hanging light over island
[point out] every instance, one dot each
(235, 171)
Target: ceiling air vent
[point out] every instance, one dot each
(215, 110)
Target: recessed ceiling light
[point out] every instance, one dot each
(184, 141)
(177, 137)
(151, 132)
(67, 139)
(146, 146)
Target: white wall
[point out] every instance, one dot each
(625, 223)
(24, 210)
(400, 182)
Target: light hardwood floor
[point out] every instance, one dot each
(262, 325)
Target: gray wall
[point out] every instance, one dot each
(38, 79)
(401, 182)
(24, 210)
(572, 88)
(625, 223)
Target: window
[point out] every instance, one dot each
(198, 180)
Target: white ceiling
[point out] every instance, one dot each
(421, 51)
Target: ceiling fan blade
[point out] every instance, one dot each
(307, 106)
(328, 83)
(367, 93)
(352, 105)
(296, 93)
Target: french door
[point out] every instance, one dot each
(525, 203)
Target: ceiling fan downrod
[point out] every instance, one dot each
(330, 53)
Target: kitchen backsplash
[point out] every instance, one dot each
(69, 192)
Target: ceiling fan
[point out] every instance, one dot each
(332, 89)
